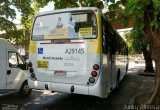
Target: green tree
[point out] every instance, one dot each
(129, 41)
(136, 40)
(5, 13)
(59, 4)
(27, 21)
(91, 3)
(146, 14)
(8, 14)
(16, 36)
(138, 43)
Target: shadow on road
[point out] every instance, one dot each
(131, 85)
(16, 99)
(79, 102)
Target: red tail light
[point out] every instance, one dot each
(96, 67)
(94, 73)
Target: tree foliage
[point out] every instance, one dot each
(91, 3)
(146, 14)
(60, 4)
(8, 10)
(28, 20)
(5, 13)
(17, 37)
(136, 41)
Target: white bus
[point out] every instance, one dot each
(76, 51)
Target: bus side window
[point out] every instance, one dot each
(105, 42)
(118, 44)
(112, 44)
(111, 39)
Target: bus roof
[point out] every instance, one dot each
(70, 9)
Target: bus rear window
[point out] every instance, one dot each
(68, 25)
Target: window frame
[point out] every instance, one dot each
(78, 11)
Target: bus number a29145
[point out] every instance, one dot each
(74, 51)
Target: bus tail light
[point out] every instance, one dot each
(96, 67)
(94, 73)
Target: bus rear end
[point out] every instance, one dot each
(65, 52)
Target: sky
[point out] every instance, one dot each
(49, 7)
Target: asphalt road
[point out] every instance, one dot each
(132, 85)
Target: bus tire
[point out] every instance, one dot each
(25, 90)
(118, 78)
(127, 68)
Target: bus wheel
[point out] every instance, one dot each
(118, 78)
(126, 68)
(25, 90)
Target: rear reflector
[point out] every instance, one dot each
(91, 80)
(96, 67)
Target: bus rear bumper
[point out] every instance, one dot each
(68, 88)
(59, 87)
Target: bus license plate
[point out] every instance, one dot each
(60, 73)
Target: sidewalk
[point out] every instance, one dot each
(147, 80)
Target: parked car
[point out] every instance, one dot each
(139, 60)
(13, 71)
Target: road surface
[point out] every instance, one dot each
(132, 85)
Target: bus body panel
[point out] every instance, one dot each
(63, 62)
(56, 71)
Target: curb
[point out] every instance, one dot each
(147, 74)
